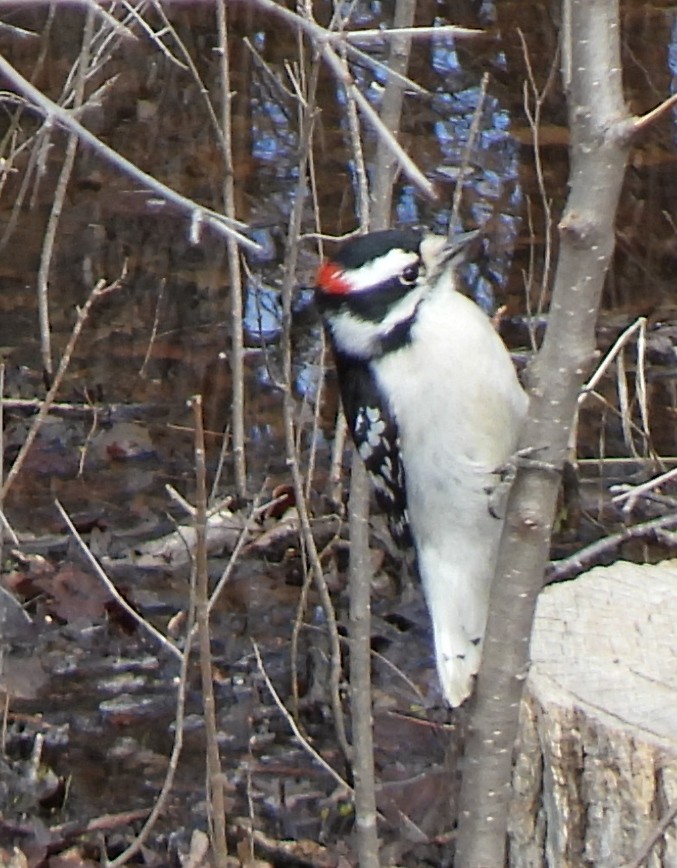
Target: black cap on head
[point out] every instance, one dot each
(364, 248)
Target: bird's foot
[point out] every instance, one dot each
(498, 493)
(525, 458)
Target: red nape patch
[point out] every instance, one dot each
(330, 279)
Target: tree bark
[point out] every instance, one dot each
(599, 125)
(597, 763)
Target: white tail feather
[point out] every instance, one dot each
(456, 586)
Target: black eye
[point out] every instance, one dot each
(409, 274)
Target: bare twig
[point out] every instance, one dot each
(636, 491)
(646, 120)
(54, 113)
(59, 197)
(660, 829)
(390, 115)
(534, 118)
(323, 40)
(317, 416)
(215, 790)
(112, 590)
(658, 460)
(408, 166)
(289, 409)
(2, 444)
(239, 545)
(98, 292)
(360, 667)
(177, 746)
(409, 32)
(8, 529)
(467, 153)
(338, 38)
(566, 568)
(154, 37)
(374, 213)
(234, 270)
(615, 353)
(301, 608)
(336, 464)
(93, 427)
(305, 744)
(153, 333)
(619, 343)
(118, 27)
(14, 125)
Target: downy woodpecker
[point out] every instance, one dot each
(435, 409)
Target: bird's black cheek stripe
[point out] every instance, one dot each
(373, 304)
(370, 304)
(399, 336)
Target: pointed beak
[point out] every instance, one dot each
(440, 253)
(457, 247)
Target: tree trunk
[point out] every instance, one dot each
(597, 762)
(600, 129)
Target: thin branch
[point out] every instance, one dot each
(177, 747)
(118, 27)
(239, 545)
(566, 568)
(59, 198)
(113, 591)
(408, 166)
(2, 437)
(190, 66)
(153, 332)
(305, 744)
(155, 36)
(9, 530)
(98, 292)
(390, 115)
(411, 32)
(534, 118)
(215, 791)
(360, 667)
(288, 409)
(324, 40)
(660, 829)
(375, 213)
(38, 66)
(631, 494)
(614, 350)
(54, 113)
(234, 270)
(467, 153)
(340, 39)
(641, 123)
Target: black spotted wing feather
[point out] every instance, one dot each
(375, 434)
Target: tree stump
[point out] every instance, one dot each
(597, 760)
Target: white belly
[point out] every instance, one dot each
(459, 407)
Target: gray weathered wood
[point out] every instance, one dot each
(597, 762)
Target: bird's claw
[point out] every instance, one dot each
(498, 493)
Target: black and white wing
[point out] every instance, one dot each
(375, 433)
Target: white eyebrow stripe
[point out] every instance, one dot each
(390, 265)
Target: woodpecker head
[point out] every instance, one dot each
(369, 291)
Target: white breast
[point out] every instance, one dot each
(459, 408)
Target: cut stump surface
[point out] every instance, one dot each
(597, 761)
